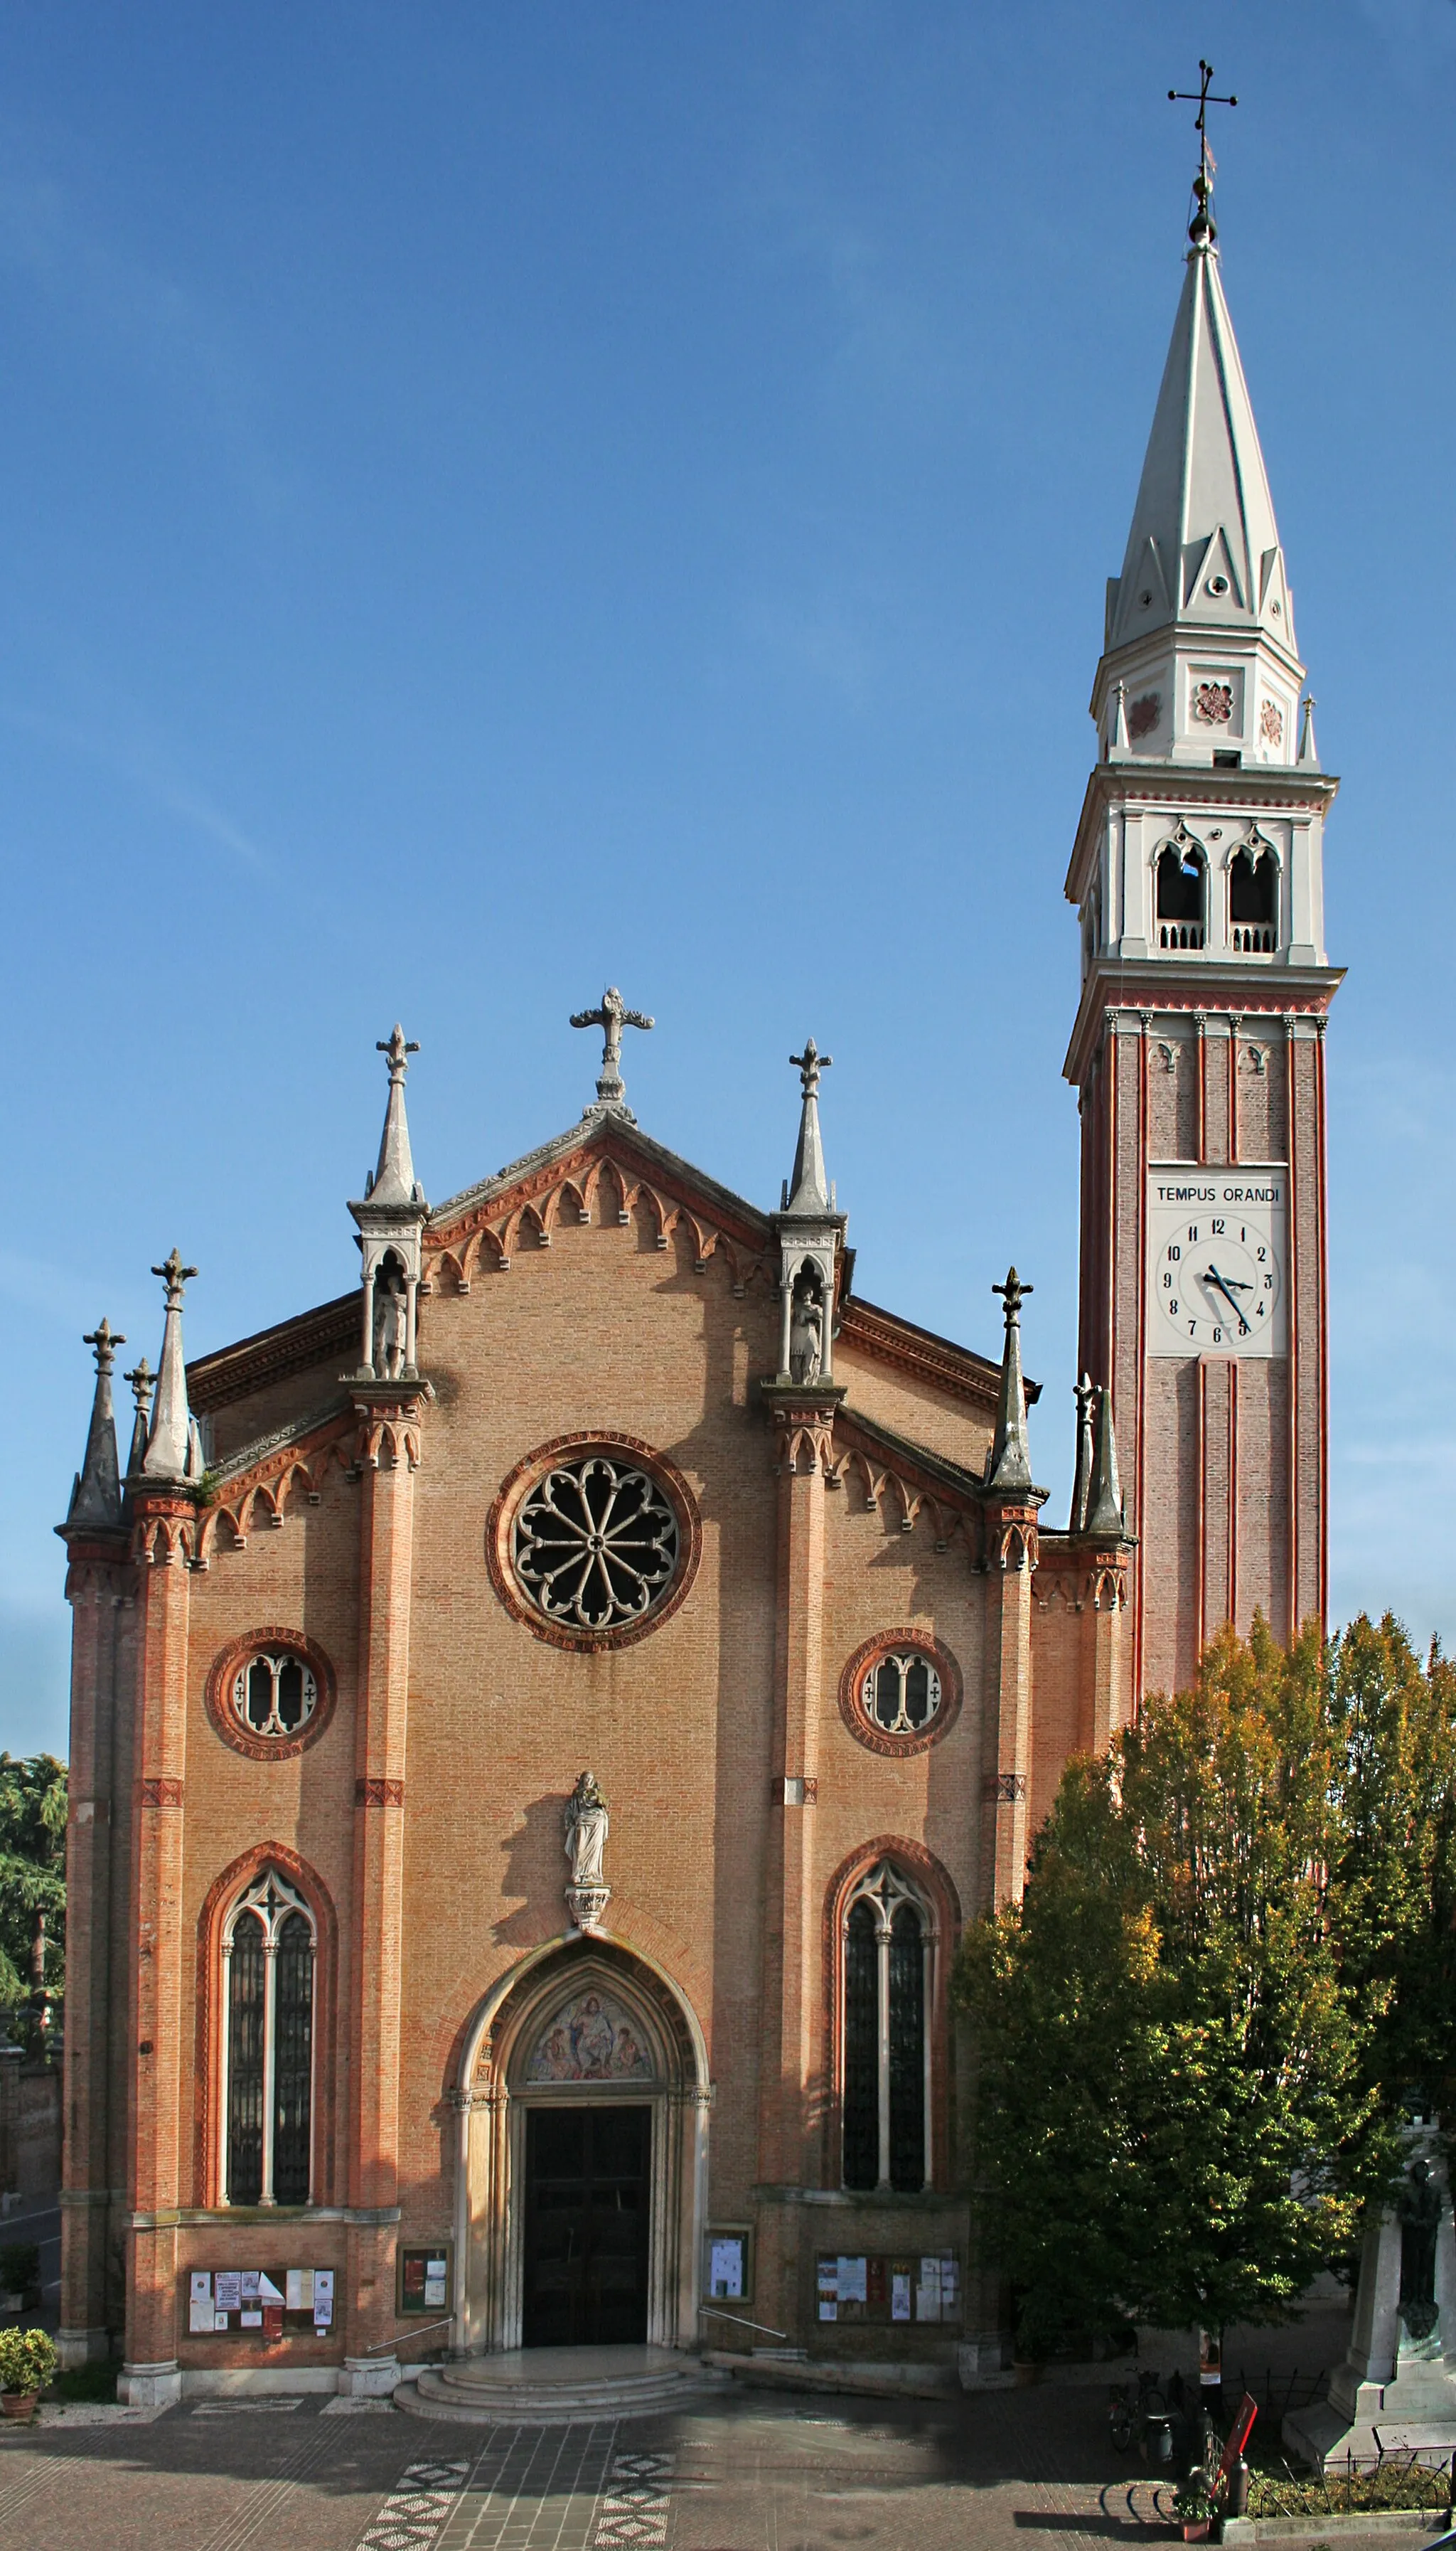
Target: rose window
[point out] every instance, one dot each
(901, 1693)
(594, 1543)
(274, 1694)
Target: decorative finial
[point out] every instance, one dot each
(1202, 229)
(397, 1049)
(1013, 1294)
(1085, 1394)
(105, 1340)
(175, 1277)
(1309, 750)
(612, 1015)
(1105, 1498)
(96, 1492)
(143, 1382)
(1010, 1466)
(392, 1181)
(171, 1449)
(809, 1065)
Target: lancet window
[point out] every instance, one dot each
(1253, 901)
(886, 1946)
(268, 1949)
(1182, 878)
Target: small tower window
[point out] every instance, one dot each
(1253, 889)
(269, 1950)
(886, 1949)
(1181, 876)
(274, 1694)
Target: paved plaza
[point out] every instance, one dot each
(750, 2472)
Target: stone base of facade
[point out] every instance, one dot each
(149, 2386)
(82, 2346)
(369, 2378)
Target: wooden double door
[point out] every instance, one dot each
(588, 2192)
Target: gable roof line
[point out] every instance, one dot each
(271, 1355)
(891, 1339)
(610, 1133)
(232, 1472)
(936, 1467)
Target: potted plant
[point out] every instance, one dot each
(26, 2363)
(1194, 2506)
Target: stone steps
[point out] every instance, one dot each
(554, 2387)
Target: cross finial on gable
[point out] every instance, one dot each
(612, 1015)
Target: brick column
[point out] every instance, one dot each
(803, 1420)
(390, 1415)
(98, 1579)
(1106, 1610)
(1010, 1558)
(160, 2064)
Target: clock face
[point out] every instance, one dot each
(1218, 1249)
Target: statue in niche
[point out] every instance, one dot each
(1420, 2217)
(586, 1823)
(391, 1312)
(807, 1327)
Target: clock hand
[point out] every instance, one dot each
(1212, 1277)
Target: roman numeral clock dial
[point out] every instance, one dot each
(1217, 1260)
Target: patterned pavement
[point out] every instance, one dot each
(745, 2472)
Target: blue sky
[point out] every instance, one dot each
(501, 497)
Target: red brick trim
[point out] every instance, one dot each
(268, 1749)
(515, 1488)
(938, 1888)
(161, 1793)
(379, 1793)
(887, 1643)
(220, 1898)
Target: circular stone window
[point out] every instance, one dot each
(270, 1694)
(592, 1544)
(900, 1692)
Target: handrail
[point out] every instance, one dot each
(735, 2322)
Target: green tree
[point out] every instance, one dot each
(32, 1813)
(1191, 2035)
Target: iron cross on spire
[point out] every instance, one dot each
(1200, 229)
(611, 1015)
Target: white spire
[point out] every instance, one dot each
(393, 1182)
(1204, 545)
(170, 1446)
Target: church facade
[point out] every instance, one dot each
(541, 1720)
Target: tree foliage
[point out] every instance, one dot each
(1231, 1966)
(32, 1813)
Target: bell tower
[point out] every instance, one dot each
(1198, 1053)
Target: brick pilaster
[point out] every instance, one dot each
(97, 1580)
(390, 1416)
(803, 1418)
(1011, 1558)
(160, 2059)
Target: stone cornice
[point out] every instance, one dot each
(1193, 986)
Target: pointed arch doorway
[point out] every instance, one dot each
(582, 2167)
